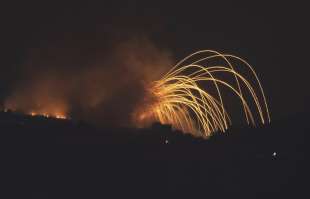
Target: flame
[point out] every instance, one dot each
(56, 115)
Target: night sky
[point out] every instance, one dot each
(91, 60)
(273, 37)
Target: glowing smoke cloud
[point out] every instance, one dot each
(95, 82)
(179, 98)
(131, 87)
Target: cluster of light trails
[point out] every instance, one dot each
(181, 98)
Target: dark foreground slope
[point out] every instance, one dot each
(47, 158)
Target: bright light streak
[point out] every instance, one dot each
(181, 98)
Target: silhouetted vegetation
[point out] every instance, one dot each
(69, 159)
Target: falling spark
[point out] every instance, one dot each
(180, 99)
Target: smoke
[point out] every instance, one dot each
(102, 85)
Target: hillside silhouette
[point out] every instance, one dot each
(55, 158)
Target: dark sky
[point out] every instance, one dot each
(273, 37)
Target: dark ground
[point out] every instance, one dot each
(47, 158)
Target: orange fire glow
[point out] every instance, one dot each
(56, 115)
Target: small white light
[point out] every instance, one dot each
(166, 141)
(274, 154)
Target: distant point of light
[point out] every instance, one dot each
(274, 154)
(166, 141)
